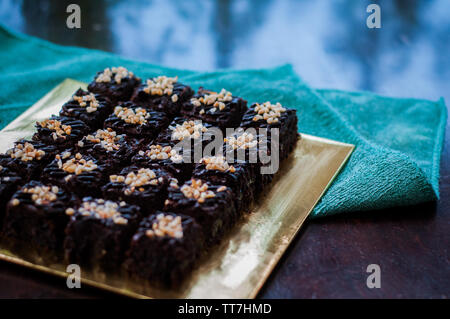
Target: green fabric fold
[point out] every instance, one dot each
(398, 141)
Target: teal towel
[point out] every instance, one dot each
(398, 141)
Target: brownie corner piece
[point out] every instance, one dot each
(61, 131)
(212, 206)
(268, 116)
(162, 94)
(221, 109)
(88, 107)
(135, 121)
(165, 248)
(98, 233)
(143, 187)
(36, 220)
(116, 83)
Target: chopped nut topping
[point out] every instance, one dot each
(119, 73)
(82, 101)
(76, 165)
(268, 112)
(215, 99)
(189, 129)
(42, 195)
(218, 163)
(101, 209)
(25, 152)
(222, 189)
(197, 190)
(158, 152)
(166, 225)
(55, 125)
(107, 138)
(137, 116)
(144, 176)
(244, 141)
(15, 202)
(161, 85)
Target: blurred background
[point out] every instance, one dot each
(327, 41)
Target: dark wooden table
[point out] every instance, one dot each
(329, 257)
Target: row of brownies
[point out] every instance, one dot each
(102, 184)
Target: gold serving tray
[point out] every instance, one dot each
(239, 266)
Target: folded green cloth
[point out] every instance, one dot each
(399, 141)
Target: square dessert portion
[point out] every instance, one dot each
(221, 109)
(99, 232)
(144, 187)
(252, 151)
(135, 121)
(212, 206)
(116, 83)
(164, 156)
(274, 116)
(88, 107)
(164, 248)
(238, 177)
(189, 136)
(80, 174)
(10, 182)
(35, 220)
(63, 132)
(28, 158)
(112, 149)
(162, 94)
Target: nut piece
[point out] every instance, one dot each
(166, 225)
(25, 152)
(189, 129)
(158, 152)
(60, 129)
(268, 112)
(135, 181)
(42, 195)
(217, 163)
(161, 85)
(215, 99)
(118, 72)
(93, 103)
(197, 190)
(107, 138)
(137, 116)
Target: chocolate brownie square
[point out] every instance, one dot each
(63, 132)
(221, 109)
(88, 107)
(252, 151)
(116, 83)
(81, 174)
(99, 232)
(135, 121)
(35, 220)
(238, 177)
(108, 147)
(212, 206)
(28, 158)
(144, 187)
(162, 94)
(164, 156)
(274, 116)
(164, 249)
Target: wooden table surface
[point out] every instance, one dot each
(329, 257)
